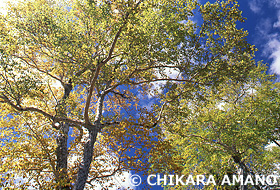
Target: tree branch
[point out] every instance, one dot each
(101, 64)
(276, 142)
(36, 67)
(163, 79)
(55, 119)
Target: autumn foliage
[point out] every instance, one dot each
(76, 76)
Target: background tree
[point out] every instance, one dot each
(228, 132)
(77, 68)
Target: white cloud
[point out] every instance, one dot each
(277, 24)
(264, 27)
(274, 3)
(268, 36)
(274, 46)
(255, 6)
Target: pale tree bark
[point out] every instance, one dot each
(62, 157)
(93, 130)
(87, 158)
(62, 138)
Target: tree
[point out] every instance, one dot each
(226, 132)
(77, 68)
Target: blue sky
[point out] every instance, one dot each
(263, 25)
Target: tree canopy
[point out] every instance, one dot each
(227, 132)
(75, 75)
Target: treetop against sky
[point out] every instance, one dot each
(263, 25)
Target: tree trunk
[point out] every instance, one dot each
(245, 175)
(62, 156)
(245, 172)
(62, 138)
(84, 167)
(87, 158)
